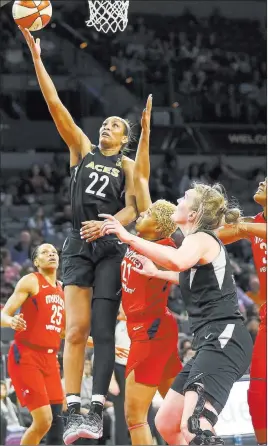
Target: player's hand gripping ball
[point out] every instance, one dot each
(33, 15)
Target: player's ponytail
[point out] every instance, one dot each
(232, 215)
(128, 131)
(212, 207)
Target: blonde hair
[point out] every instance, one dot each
(212, 207)
(163, 210)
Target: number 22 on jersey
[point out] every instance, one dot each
(93, 187)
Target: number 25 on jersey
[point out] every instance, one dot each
(56, 317)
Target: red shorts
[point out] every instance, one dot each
(257, 393)
(155, 360)
(35, 376)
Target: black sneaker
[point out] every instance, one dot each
(206, 438)
(70, 430)
(91, 427)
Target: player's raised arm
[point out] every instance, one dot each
(73, 136)
(129, 213)
(142, 161)
(25, 287)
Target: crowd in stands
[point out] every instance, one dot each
(214, 67)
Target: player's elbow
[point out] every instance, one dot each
(179, 265)
(172, 265)
(54, 103)
(132, 211)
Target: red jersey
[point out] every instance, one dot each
(259, 249)
(143, 297)
(44, 314)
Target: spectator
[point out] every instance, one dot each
(253, 289)
(185, 344)
(50, 177)
(8, 412)
(86, 386)
(37, 181)
(21, 251)
(188, 178)
(10, 270)
(65, 216)
(187, 355)
(41, 223)
(253, 327)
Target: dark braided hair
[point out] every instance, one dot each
(129, 133)
(35, 253)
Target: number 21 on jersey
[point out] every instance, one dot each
(95, 190)
(126, 268)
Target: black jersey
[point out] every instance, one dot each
(209, 291)
(97, 187)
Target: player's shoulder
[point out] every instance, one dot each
(200, 239)
(127, 163)
(29, 282)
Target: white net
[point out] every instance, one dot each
(108, 15)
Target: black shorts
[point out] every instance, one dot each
(96, 264)
(223, 355)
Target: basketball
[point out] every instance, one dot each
(33, 15)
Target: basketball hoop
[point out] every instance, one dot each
(108, 15)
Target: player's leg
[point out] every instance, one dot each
(104, 315)
(55, 394)
(168, 417)
(105, 305)
(214, 370)
(77, 309)
(78, 276)
(137, 403)
(163, 390)
(257, 393)
(24, 368)
(42, 419)
(55, 433)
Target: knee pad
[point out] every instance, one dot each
(200, 410)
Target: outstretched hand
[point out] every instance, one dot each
(33, 45)
(113, 226)
(148, 267)
(146, 114)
